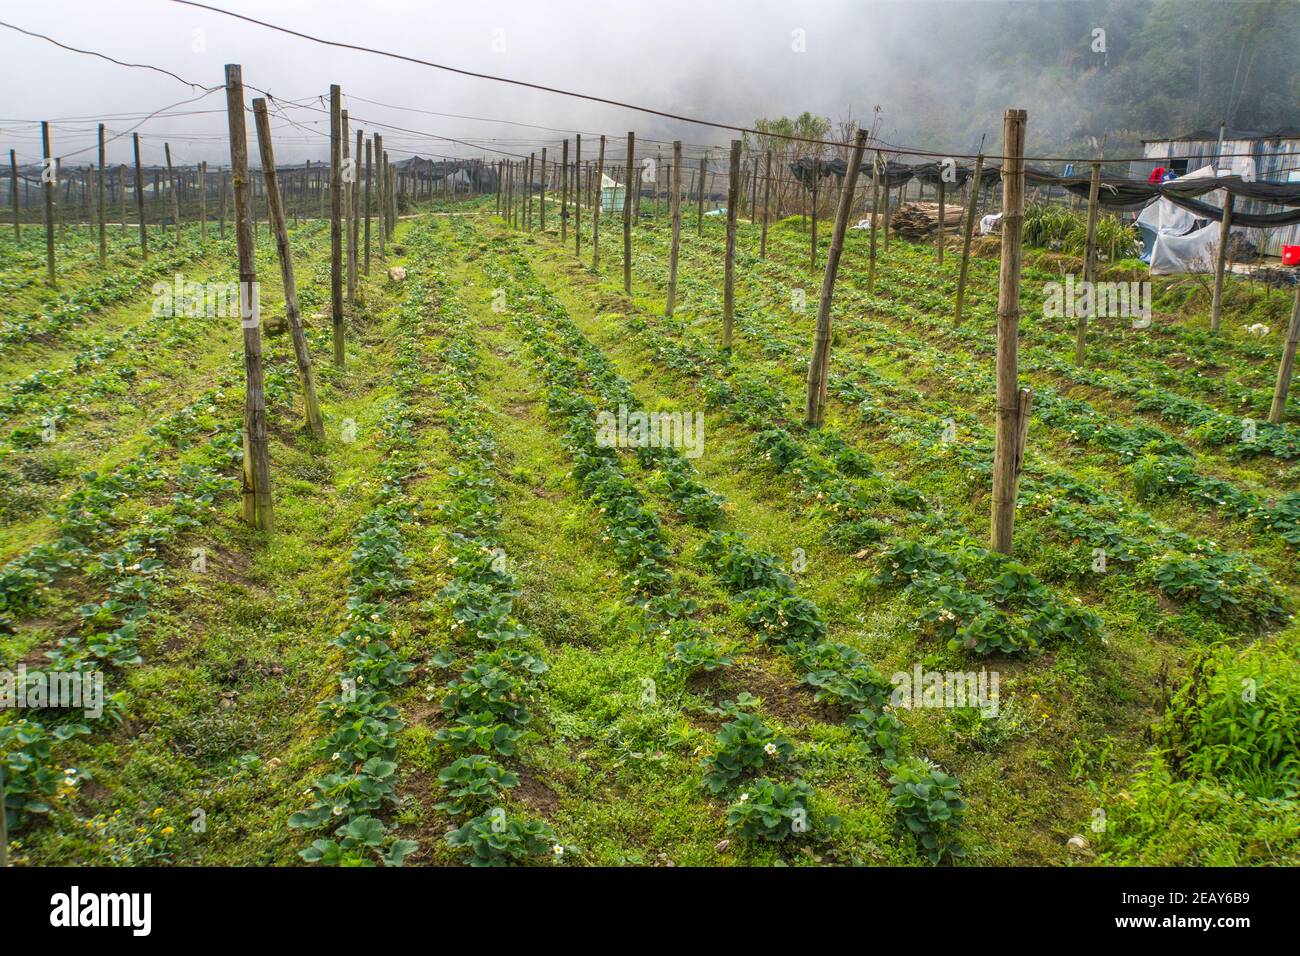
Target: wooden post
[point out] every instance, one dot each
(103, 226)
(369, 174)
(1089, 266)
(541, 199)
(968, 228)
(121, 198)
(13, 179)
(257, 461)
(1007, 452)
(171, 186)
(875, 220)
(767, 195)
(203, 202)
(598, 181)
(676, 212)
(816, 181)
(354, 222)
(139, 200)
(381, 188)
(729, 286)
(280, 231)
(627, 214)
(221, 202)
(1284, 371)
(753, 188)
(699, 207)
(336, 226)
(819, 363)
(659, 161)
(564, 194)
(1220, 260)
(577, 195)
(943, 212)
(47, 187)
(528, 191)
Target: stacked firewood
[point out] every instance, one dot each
(920, 220)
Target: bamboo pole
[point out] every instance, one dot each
(381, 189)
(627, 213)
(541, 199)
(103, 225)
(1220, 260)
(279, 229)
(1285, 370)
(676, 213)
(595, 185)
(1008, 451)
(819, 363)
(1089, 266)
(968, 228)
(729, 286)
(47, 187)
(257, 461)
(369, 175)
(699, 205)
(875, 220)
(203, 202)
(767, 195)
(336, 226)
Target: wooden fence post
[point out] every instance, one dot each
(203, 202)
(729, 286)
(819, 363)
(943, 212)
(1278, 410)
(541, 198)
(564, 194)
(221, 201)
(354, 221)
(699, 206)
(1225, 233)
(676, 213)
(627, 213)
(279, 229)
(370, 142)
(816, 181)
(171, 187)
(577, 195)
(103, 225)
(596, 185)
(257, 461)
(875, 219)
(13, 179)
(139, 200)
(1007, 454)
(767, 195)
(968, 228)
(47, 187)
(381, 190)
(336, 226)
(1089, 266)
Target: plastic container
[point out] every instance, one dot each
(1291, 255)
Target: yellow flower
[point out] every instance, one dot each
(168, 831)
(158, 812)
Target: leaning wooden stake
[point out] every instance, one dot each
(139, 201)
(599, 181)
(1285, 370)
(729, 281)
(1007, 453)
(257, 461)
(968, 228)
(103, 225)
(675, 200)
(171, 187)
(279, 229)
(47, 187)
(336, 224)
(819, 364)
(627, 214)
(1089, 266)
(1225, 233)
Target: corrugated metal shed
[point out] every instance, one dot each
(1258, 154)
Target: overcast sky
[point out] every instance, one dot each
(709, 58)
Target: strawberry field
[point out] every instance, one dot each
(484, 633)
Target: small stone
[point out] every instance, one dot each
(1077, 843)
(397, 274)
(722, 846)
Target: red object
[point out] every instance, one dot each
(1291, 255)
(1157, 175)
